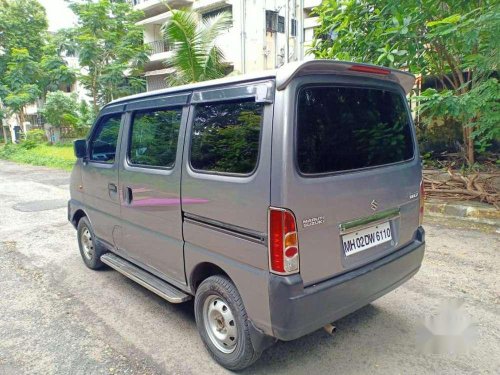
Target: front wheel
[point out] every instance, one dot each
(223, 323)
(90, 250)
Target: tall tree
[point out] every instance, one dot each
(20, 89)
(455, 41)
(196, 56)
(23, 29)
(110, 48)
(30, 63)
(54, 71)
(23, 24)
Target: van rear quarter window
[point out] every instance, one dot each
(348, 128)
(226, 137)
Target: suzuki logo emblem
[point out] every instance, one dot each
(374, 205)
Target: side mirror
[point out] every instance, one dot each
(80, 147)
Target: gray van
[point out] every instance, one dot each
(279, 202)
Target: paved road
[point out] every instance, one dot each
(58, 317)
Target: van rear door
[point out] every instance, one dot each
(352, 172)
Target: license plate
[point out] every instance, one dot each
(366, 238)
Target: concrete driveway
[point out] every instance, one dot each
(58, 317)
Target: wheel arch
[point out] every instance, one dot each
(79, 213)
(203, 271)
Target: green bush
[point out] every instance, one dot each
(32, 139)
(8, 150)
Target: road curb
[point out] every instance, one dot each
(472, 211)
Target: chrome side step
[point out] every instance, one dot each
(147, 280)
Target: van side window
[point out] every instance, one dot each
(226, 137)
(103, 144)
(153, 140)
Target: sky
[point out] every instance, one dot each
(58, 14)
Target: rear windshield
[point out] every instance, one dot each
(346, 128)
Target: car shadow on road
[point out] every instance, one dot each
(290, 357)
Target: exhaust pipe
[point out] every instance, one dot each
(330, 328)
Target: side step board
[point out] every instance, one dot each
(147, 280)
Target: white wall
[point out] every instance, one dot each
(262, 50)
(246, 44)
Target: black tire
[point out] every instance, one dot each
(243, 354)
(91, 255)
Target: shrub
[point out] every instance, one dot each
(60, 109)
(32, 139)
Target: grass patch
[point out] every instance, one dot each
(58, 156)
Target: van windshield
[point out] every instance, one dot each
(346, 128)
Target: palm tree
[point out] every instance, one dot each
(195, 56)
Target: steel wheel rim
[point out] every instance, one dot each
(220, 324)
(87, 244)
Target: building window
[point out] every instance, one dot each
(274, 22)
(271, 21)
(293, 27)
(281, 24)
(216, 12)
(226, 136)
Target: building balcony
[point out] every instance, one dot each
(159, 19)
(311, 22)
(159, 46)
(309, 4)
(155, 7)
(160, 50)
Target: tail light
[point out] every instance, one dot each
(283, 242)
(422, 197)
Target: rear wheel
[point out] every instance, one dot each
(223, 323)
(89, 249)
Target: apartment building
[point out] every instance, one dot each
(265, 34)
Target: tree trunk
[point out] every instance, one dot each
(4, 129)
(468, 144)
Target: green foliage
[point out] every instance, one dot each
(195, 56)
(86, 117)
(60, 109)
(455, 41)
(21, 72)
(30, 65)
(61, 157)
(32, 139)
(110, 47)
(54, 72)
(477, 107)
(23, 24)
(36, 135)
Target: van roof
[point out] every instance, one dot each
(285, 74)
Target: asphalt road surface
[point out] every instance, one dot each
(58, 317)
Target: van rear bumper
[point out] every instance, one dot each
(297, 311)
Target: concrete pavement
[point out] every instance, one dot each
(58, 317)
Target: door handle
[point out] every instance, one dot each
(112, 187)
(128, 195)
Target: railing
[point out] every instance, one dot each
(137, 2)
(159, 46)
